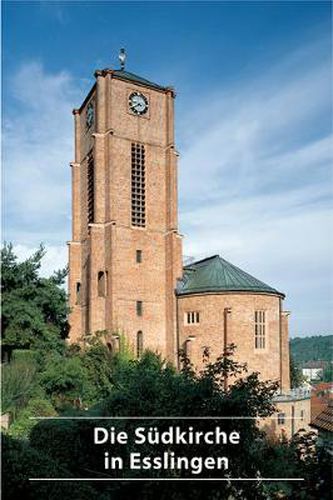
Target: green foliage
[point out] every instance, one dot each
(78, 376)
(59, 439)
(37, 407)
(34, 309)
(18, 382)
(65, 380)
(328, 373)
(296, 376)
(22, 462)
(24, 355)
(125, 352)
(97, 360)
(315, 348)
(297, 458)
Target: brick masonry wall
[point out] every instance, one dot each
(297, 416)
(240, 330)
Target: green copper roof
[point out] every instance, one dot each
(217, 275)
(126, 75)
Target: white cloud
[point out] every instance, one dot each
(38, 145)
(256, 180)
(56, 257)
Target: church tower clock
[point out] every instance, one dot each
(126, 254)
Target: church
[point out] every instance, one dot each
(126, 272)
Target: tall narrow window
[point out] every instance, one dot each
(101, 284)
(189, 348)
(260, 329)
(138, 186)
(90, 189)
(139, 344)
(78, 293)
(281, 418)
(139, 308)
(139, 256)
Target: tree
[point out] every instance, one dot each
(328, 372)
(34, 309)
(21, 462)
(296, 376)
(18, 382)
(65, 381)
(317, 347)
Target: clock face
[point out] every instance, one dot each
(138, 103)
(90, 115)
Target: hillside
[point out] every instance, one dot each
(312, 348)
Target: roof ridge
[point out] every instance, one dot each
(202, 260)
(128, 75)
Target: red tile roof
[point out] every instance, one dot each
(324, 421)
(320, 396)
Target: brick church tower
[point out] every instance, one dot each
(126, 253)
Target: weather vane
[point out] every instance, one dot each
(122, 58)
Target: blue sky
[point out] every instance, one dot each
(254, 110)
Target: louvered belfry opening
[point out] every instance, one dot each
(138, 186)
(90, 189)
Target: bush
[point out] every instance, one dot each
(21, 462)
(18, 382)
(66, 381)
(23, 424)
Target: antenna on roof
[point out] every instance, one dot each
(122, 58)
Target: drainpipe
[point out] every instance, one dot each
(292, 420)
(177, 332)
(226, 311)
(280, 341)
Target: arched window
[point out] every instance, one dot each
(78, 293)
(110, 347)
(139, 344)
(116, 343)
(188, 348)
(101, 284)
